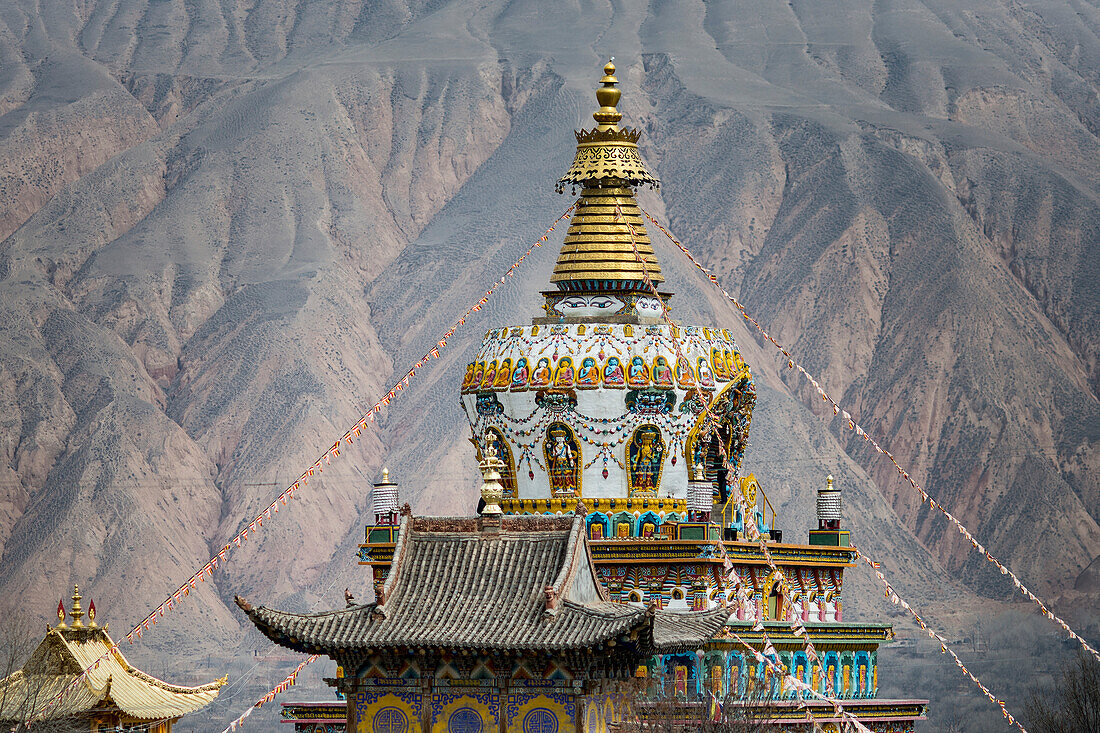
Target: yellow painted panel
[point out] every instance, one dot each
(541, 714)
(388, 714)
(464, 715)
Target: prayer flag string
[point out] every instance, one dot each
(893, 597)
(177, 596)
(278, 689)
(798, 628)
(860, 431)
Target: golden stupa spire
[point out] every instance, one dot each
(598, 253)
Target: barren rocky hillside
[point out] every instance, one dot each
(224, 227)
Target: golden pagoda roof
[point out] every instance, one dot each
(65, 653)
(599, 250)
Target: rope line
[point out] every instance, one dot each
(798, 628)
(398, 387)
(711, 430)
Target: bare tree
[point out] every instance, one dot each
(1072, 706)
(659, 708)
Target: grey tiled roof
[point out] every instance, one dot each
(454, 586)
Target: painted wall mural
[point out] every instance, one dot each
(646, 458)
(563, 460)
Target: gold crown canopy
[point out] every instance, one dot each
(598, 252)
(608, 151)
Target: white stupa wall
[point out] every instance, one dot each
(524, 422)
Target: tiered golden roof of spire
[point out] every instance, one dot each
(598, 253)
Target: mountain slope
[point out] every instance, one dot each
(225, 227)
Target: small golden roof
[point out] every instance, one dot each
(607, 224)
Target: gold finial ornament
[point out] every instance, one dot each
(77, 612)
(61, 614)
(608, 96)
(607, 154)
(491, 489)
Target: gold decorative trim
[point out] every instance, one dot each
(568, 504)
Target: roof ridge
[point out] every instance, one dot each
(101, 637)
(602, 610)
(318, 614)
(568, 569)
(170, 687)
(404, 529)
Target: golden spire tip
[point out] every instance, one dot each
(608, 96)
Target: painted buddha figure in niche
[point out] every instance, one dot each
(490, 375)
(638, 376)
(561, 461)
(588, 375)
(706, 378)
(685, 376)
(519, 375)
(504, 375)
(563, 375)
(662, 374)
(613, 373)
(646, 454)
(541, 377)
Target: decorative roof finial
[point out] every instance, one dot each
(608, 154)
(700, 491)
(61, 614)
(491, 490)
(384, 500)
(91, 615)
(77, 612)
(828, 505)
(608, 96)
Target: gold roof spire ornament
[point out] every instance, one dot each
(607, 154)
(77, 612)
(608, 96)
(491, 489)
(598, 253)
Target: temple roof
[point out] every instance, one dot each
(453, 585)
(58, 661)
